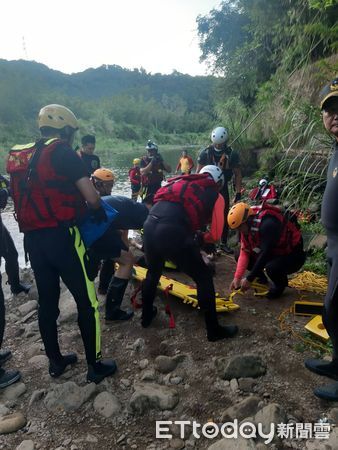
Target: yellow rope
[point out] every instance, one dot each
(284, 326)
(309, 281)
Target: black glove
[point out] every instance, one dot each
(3, 198)
(238, 197)
(98, 215)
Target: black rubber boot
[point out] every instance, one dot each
(148, 315)
(57, 367)
(275, 292)
(5, 355)
(215, 331)
(20, 287)
(116, 290)
(106, 273)
(8, 377)
(328, 392)
(100, 370)
(323, 368)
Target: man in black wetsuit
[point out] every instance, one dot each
(86, 152)
(270, 241)
(329, 218)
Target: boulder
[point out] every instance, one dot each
(13, 392)
(153, 396)
(68, 396)
(246, 408)
(12, 423)
(241, 366)
(165, 364)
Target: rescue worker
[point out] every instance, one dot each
(182, 208)
(152, 168)
(185, 164)
(269, 241)
(329, 218)
(86, 152)
(135, 179)
(51, 192)
(7, 247)
(113, 247)
(219, 154)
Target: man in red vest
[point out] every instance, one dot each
(270, 241)
(182, 208)
(52, 193)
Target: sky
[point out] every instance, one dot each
(73, 35)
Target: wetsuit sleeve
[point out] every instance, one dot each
(67, 163)
(217, 222)
(242, 263)
(269, 234)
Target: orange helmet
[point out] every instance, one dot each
(104, 174)
(239, 214)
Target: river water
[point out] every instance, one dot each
(119, 164)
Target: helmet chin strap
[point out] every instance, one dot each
(218, 150)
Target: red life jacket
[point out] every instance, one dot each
(42, 198)
(290, 236)
(135, 176)
(268, 193)
(189, 190)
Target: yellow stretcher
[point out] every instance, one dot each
(187, 293)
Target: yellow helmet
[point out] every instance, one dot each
(104, 174)
(136, 161)
(239, 214)
(58, 117)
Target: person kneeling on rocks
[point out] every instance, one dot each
(269, 240)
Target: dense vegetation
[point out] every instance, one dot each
(274, 56)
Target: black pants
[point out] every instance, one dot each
(166, 236)
(279, 267)
(60, 252)
(330, 310)
(106, 273)
(2, 314)
(10, 255)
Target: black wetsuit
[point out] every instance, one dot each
(167, 236)
(91, 162)
(59, 252)
(329, 218)
(276, 266)
(132, 216)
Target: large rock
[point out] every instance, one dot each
(246, 408)
(13, 392)
(106, 404)
(165, 364)
(28, 307)
(153, 396)
(241, 366)
(12, 423)
(68, 310)
(271, 413)
(26, 445)
(68, 396)
(233, 444)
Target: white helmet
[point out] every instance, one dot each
(219, 135)
(215, 172)
(151, 146)
(263, 182)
